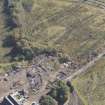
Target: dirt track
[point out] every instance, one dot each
(85, 68)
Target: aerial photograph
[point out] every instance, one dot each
(52, 52)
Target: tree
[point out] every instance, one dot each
(9, 41)
(70, 86)
(28, 5)
(46, 51)
(63, 59)
(60, 92)
(47, 100)
(28, 54)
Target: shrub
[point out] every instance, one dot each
(60, 92)
(47, 100)
(9, 41)
(46, 51)
(63, 59)
(27, 5)
(9, 12)
(70, 86)
(28, 54)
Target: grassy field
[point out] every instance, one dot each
(91, 85)
(74, 27)
(77, 28)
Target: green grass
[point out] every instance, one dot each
(91, 85)
(75, 28)
(76, 32)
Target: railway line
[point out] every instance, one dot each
(67, 10)
(96, 3)
(64, 14)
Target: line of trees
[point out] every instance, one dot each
(58, 95)
(10, 11)
(22, 50)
